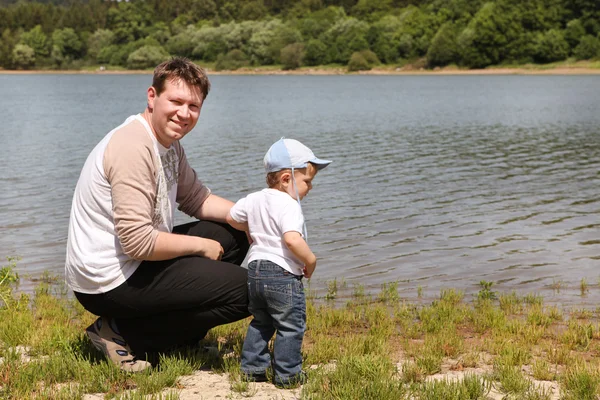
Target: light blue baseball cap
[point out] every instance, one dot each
(290, 153)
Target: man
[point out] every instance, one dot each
(153, 285)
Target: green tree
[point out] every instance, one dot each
(383, 39)
(183, 43)
(209, 42)
(37, 40)
(443, 49)
(204, 9)
(67, 43)
(588, 48)
(253, 10)
(318, 22)
(7, 44)
(484, 41)
(371, 10)
(550, 46)
(130, 21)
(161, 32)
(266, 43)
(574, 32)
(23, 56)
(99, 39)
(146, 57)
(346, 37)
(292, 56)
(238, 35)
(416, 30)
(304, 7)
(231, 61)
(315, 53)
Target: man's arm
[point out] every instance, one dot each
(215, 208)
(129, 166)
(172, 245)
(297, 245)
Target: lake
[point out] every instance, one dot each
(437, 181)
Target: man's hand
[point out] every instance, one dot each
(211, 249)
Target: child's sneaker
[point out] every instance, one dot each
(256, 377)
(292, 381)
(114, 347)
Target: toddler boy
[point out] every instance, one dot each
(278, 259)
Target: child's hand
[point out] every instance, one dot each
(306, 273)
(309, 269)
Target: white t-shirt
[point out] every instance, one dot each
(127, 193)
(270, 213)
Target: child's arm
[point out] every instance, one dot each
(240, 226)
(297, 245)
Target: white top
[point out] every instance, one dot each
(127, 193)
(270, 213)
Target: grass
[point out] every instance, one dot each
(374, 346)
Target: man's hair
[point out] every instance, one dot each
(180, 68)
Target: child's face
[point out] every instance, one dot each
(304, 179)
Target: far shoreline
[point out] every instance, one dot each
(534, 70)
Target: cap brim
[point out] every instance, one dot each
(320, 163)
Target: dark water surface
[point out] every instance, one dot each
(437, 181)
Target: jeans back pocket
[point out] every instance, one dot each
(278, 295)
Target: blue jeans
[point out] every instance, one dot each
(277, 302)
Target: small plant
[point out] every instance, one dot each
(8, 277)
(581, 383)
(511, 379)
(557, 285)
(358, 292)
(419, 291)
(541, 371)
(389, 292)
(332, 289)
(411, 373)
(583, 287)
(486, 292)
(471, 387)
(533, 299)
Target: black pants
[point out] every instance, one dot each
(175, 302)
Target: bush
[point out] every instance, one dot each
(23, 56)
(231, 61)
(358, 62)
(315, 53)
(588, 48)
(292, 56)
(146, 57)
(551, 46)
(371, 57)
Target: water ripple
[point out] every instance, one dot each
(436, 181)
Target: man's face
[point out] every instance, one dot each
(175, 112)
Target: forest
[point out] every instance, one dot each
(359, 34)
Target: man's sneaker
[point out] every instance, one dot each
(114, 347)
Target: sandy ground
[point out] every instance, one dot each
(204, 384)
